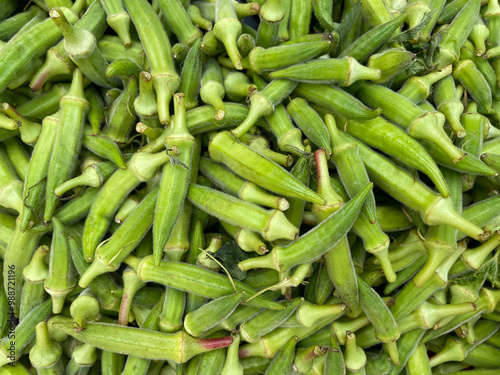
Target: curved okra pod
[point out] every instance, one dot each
(237, 86)
(262, 146)
(165, 78)
(456, 34)
(178, 347)
(211, 90)
(262, 103)
(311, 124)
(474, 82)
(252, 166)
(418, 123)
(390, 62)
(200, 321)
(196, 280)
(449, 105)
(30, 131)
(103, 146)
(336, 100)
(179, 21)
(61, 278)
(289, 137)
(227, 28)
(109, 256)
(191, 76)
(315, 242)
(175, 179)
(343, 72)
(68, 141)
(34, 184)
(232, 184)
(34, 275)
(81, 46)
(197, 18)
(17, 54)
(417, 89)
(272, 224)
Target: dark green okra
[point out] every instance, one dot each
(191, 76)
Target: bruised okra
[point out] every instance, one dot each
(232, 184)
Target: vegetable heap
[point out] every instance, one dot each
(318, 194)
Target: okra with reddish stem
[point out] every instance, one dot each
(193, 279)
(165, 78)
(178, 347)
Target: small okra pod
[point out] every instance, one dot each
(8, 123)
(61, 278)
(311, 124)
(232, 363)
(81, 46)
(417, 89)
(271, 15)
(82, 358)
(336, 100)
(165, 78)
(210, 45)
(145, 104)
(45, 355)
(479, 35)
(179, 21)
(191, 76)
(418, 362)
(199, 321)
(85, 308)
(474, 82)
(252, 166)
(350, 167)
(245, 43)
(93, 175)
(68, 141)
(343, 72)
(390, 62)
(334, 361)
(24, 333)
(17, 54)
(355, 357)
(109, 256)
(308, 314)
(170, 319)
(315, 242)
(386, 328)
(211, 90)
(289, 137)
(178, 347)
(197, 18)
(456, 34)
(272, 224)
(103, 146)
(29, 130)
(305, 357)
(262, 146)
(300, 18)
(237, 86)
(283, 360)
(142, 167)
(227, 29)
(193, 279)
(96, 109)
(448, 104)
(34, 275)
(175, 179)
(262, 103)
(416, 11)
(263, 323)
(264, 59)
(418, 123)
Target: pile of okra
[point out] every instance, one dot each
(279, 187)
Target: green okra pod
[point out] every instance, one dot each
(262, 146)
(103, 146)
(271, 224)
(211, 90)
(271, 15)
(68, 141)
(449, 105)
(227, 28)
(118, 19)
(165, 78)
(283, 360)
(178, 347)
(179, 21)
(282, 258)
(34, 275)
(10, 26)
(237, 86)
(191, 76)
(417, 89)
(193, 279)
(474, 82)
(252, 166)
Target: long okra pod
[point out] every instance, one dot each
(165, 78)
